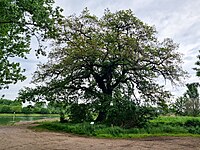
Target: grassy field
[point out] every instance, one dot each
(161, 126)
(173, 119)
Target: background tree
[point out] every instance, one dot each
(19, 21)
(97, 60)
(9, 106)
(192, 95)
(197, 68)
(189, 103)
(179, 106)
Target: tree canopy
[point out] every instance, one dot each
(19, 21)
(104, 60)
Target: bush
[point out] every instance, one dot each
(194, 130)
(84, 129)
(5, 109)
(80, 113)
(193, 126)
(44, 111)
(127, 114)
(192, 123)
(27, 110)
(16, 109)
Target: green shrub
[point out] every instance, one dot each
(194, 130)
(134, 130)
(44, 111)
(80, 113)
(16, 109)
(127, 114)
(5, 109)
(114, 131)
(27, 110)
(192, 123)
(83, 129)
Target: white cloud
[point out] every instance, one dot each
(176, 19)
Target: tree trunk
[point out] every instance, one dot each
(105, 103)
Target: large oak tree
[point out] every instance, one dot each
(101, 59)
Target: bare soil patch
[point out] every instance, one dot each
(19, 137)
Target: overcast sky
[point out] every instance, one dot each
(176, 19)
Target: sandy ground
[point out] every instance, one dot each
(19, 137)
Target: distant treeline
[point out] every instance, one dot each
(9, 106)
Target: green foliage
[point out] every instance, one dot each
(113, 131)
(194, 130)
(98, 59)
(161, 126)
(127, 114)
(193, 125)
(80, 113)
(44, 111)
(57, 107)
(39, 107)
(9, 106)
(5, 102)
(16, 109)
(19, 22)
(173, 120)
(167, 129)
(82, 128)
(192, 122)
(176, 125)
(179, 107)
(27, 110)
(189, 103)
(10, 109)
(5, 109)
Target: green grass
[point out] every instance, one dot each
(173, 119)
(161, 126)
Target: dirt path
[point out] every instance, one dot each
(18, 137)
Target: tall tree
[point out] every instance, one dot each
(19, 21)
(189, 103)
(198, 64)
(99, 59)
(193, 101)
